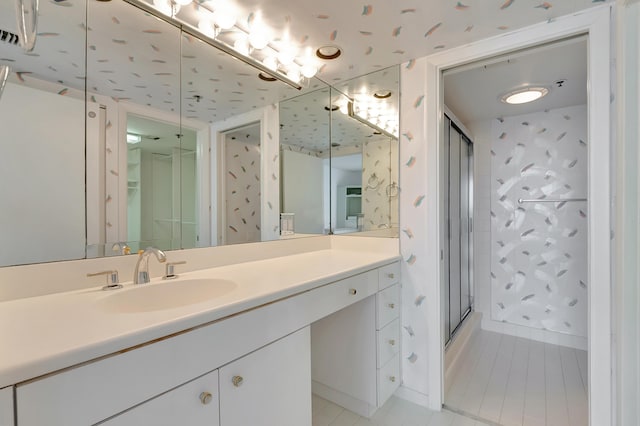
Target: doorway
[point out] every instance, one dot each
(527, 363)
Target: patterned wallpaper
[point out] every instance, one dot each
(413, 225)
(379, 184)
(242, 162)
(539, 249)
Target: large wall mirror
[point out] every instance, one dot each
(123, 131)
(364, 155)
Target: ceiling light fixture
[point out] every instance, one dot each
(382, 94)
(216, 24)
(524, 95)
(328, 52)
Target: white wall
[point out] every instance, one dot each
(628, 217)
(302, 189)
(53, 183)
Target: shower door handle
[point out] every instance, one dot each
(27, 17)
(470, 224)
(4, 75)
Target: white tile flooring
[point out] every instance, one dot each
(396, 412)
(514, 381)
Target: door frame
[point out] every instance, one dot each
(595, 23)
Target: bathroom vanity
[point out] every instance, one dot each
(245, 354)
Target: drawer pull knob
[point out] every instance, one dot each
(206, 398)
(352, 291)
(237, 381)
(392, 378)
(392, 305)
(392, 276)
(392, 342)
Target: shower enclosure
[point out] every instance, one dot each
(458, 242)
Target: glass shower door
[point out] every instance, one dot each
(458, 210)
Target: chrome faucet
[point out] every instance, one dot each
(141, 274)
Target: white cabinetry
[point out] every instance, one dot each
(195, 404)
(269, 387)
(354, 352)
(6, 406)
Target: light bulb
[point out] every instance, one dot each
(344, 108)
(258, 34)
(182, 2)
(224, 18)
(293, 73)
(241, 46)
(271, 63)
(206, 26)
(287, 51)
(166, 7)
(309, 69)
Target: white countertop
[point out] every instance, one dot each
(40, 335)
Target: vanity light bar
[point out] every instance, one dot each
(354, 114)
(194, 32)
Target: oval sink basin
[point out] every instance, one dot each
(165, 295)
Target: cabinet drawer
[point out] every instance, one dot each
(388, 342)
(388, 379)
(195, 403)
(388, 306)
(388, 275)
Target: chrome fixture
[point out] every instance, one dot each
(4, 75)
(549, 200)
(169, 271)
(112, 279)
(141, 274)
(27, 16)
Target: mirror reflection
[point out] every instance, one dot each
(304, 163)
(364, 155)
(135, 159)
(42, 169)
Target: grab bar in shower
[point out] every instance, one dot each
(549, 200)
(27, 16)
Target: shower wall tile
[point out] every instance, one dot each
(539, 249)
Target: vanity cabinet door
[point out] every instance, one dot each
(269, 387)
(195, 403)
(6, 406)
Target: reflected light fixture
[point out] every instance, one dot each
(133, 138)
(524, 95)
(379, 117)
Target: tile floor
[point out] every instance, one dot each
(513, 381)
(396, 412)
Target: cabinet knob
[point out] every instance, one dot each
(352, 291)
(392, 378)
(206, 398)
(392, 275)
(237, 381)
(392, 342)
(392, 305)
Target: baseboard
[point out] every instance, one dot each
(546, 336)
(413, 396)
(355, 405)
(457, 346)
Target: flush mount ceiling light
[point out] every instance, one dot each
(524, 95)
(328, 52)
(255, 43)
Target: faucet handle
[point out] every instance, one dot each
(169, 273)
(112, 279)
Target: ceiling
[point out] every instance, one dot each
(472, 92)
(132, 55)
(159, 137)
